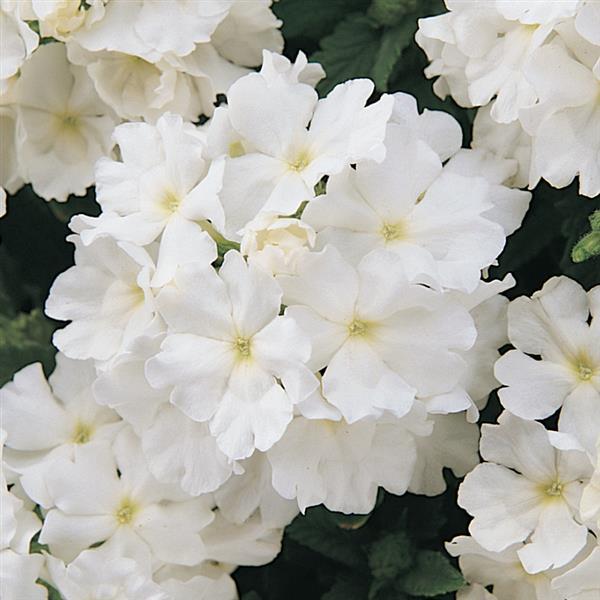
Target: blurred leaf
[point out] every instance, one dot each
(319, 531)
(391, 12)
(431, 575)
(313, 18)
(25, 339)
(390, 555)
(349, 52)
(393, 42)
(347, 588)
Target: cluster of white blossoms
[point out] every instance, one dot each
(109, 61)
(281, 308)
(534, 69)
(535, 501)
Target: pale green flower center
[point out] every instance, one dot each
(584, 372)
(126, 512)
(358, 328)
(242, 347)
(393, 231)
(300, 162)
(82, 433)
(555, 489)
(236, 149)
(171, 201)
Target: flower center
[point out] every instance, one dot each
(358, 328)
(236, 149)
(555, 489)
(242, 347)
(82, 433)
(70, 121)
(584, 372)
(126, 512)
(300, 162)
(171, 201)
(393, 231)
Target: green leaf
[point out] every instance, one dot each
(313, 18)
(53, 594)
(319, 531)
(251, 596)
(393, 42)
(24, 339)
(431, 575)
(347, 588)
(391, 12)
(390, 555)
(349, 52)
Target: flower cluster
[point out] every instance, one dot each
(534, 69)
(535, 501)
(280, 308)
(110, 61)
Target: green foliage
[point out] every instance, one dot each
(589, 245)
(431, 576)
(24, 338)
(390, 555)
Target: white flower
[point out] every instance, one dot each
(531, 486)
(383, 339)
(206, 586)
(248, 28)
(553, 324)
(582, 581)
(103, 574)
(230, 358)
(135, 87)
(18, 570)
(108, 495)
(474, 592)
(246, 493)
(480, 51)
(453, 444)
(448, 223)
(278, 158)
(502, 570)
(565, 126)
(18, 42)
(46, 423)
(180, 450)
(10, 169)
(342, 465)
(19, 574)
(252, 543)
(276, 244)
(107, 297)
(439, 130)
(162, 187)
(488, 308)
(177, 449)
(62, 132)
(60, 18)
(590, 499)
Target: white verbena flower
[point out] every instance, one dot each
(553, 324)
(531, 486)
(383, 339)
(47, 421)
(62, 132)
(230, 358)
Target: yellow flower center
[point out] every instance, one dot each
(170, 201)
(82, 433)
(584, 372)
(242, 347)
(236, 149)
(555, 489)
(126, 512)
(393, 231)
(358, 328)
(300, 162)
(70, 121)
